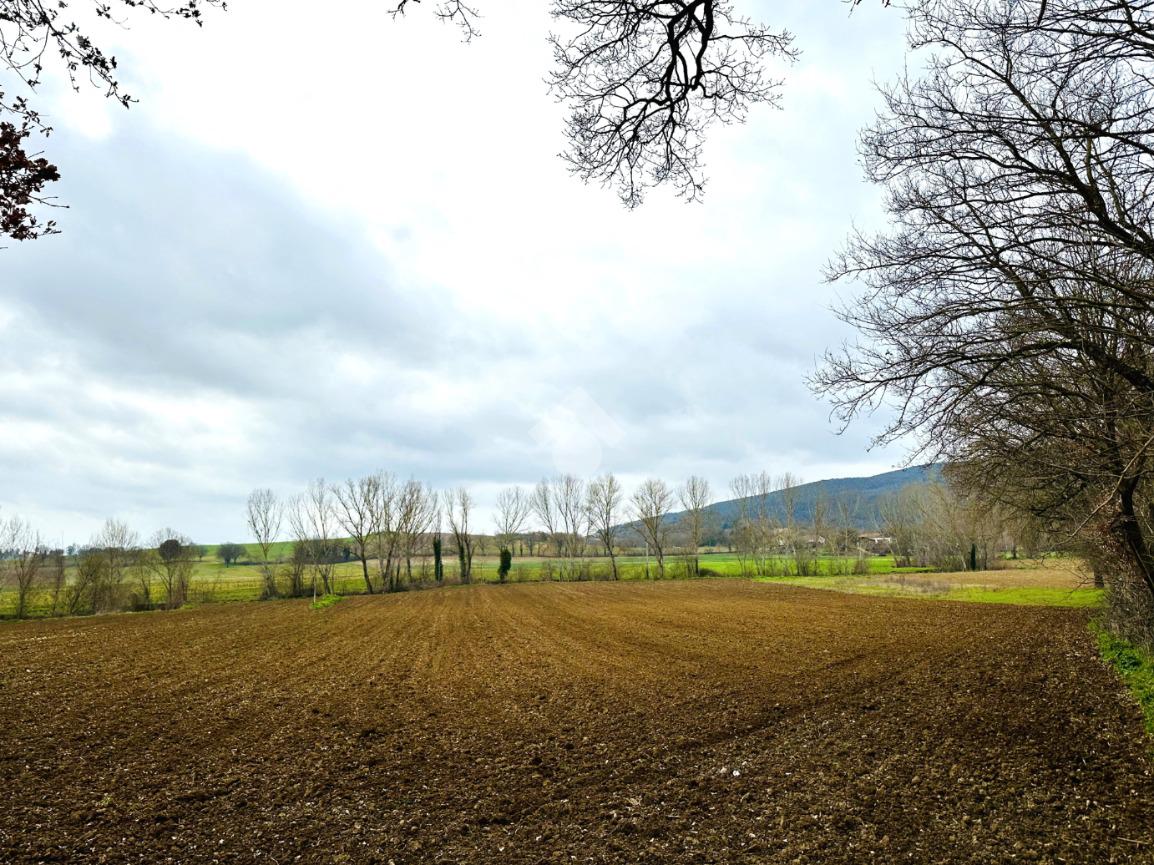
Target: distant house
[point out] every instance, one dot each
(790, 539)
(878, 544)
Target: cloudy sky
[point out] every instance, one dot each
(322, 246)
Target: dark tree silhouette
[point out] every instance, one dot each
(22, 179)
(643, 81)
(1009, 310)
(230, 553)
(34, 34)
(170, 550)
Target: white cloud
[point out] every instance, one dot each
(323, 244)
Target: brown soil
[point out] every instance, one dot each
(707, 722)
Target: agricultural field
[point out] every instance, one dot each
(707, 721)
(1057, 581)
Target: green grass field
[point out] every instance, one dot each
(213, 581)
(532, 568)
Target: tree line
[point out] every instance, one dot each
(114, 572)
(400, 534)
(1009, 311)
(391, 524)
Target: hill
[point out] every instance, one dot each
(863, 497)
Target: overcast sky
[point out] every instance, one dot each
(326, 246)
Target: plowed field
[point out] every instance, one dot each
(703, 722)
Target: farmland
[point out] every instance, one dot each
(679, 721)
(1060, 581)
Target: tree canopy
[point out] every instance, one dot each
(1008, 313)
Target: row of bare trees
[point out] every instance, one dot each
(575, 524)
(773, 535)
(383, 521)
(389, 524)
(941, 526)
(576, 514)
(114, 572)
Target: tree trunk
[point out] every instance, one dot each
(1128, 529)
(365, 571)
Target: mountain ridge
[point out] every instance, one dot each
(862, 495)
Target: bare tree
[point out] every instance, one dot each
(512, 509)
(559, 505)
(418, 510)
(141, 568)
(743, 531)
(602, 513)
(569, 500)
(544, 506)
(296, 567)
(695, 498)
(1010, 307)
(387, 520)
(787, 486)
(117, 544)
(172, 559)
(58, 563)
(644, 81)
(458, 508)
(84, 592)
(847, 528)
(265, 515)
(754, 529)
(27, 557)
(848, 543)
(296, 510)
(902, 514)
(652, 502)
(319, 503)
(438, 547)
(310, 517)
(765, 523)
(358, 510)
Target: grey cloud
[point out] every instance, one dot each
(200, 329)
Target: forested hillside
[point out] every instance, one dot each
(862, 497)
